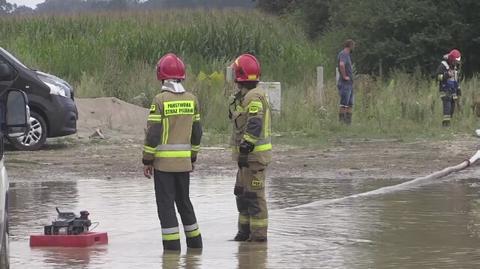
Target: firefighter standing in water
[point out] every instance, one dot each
(448, 77)
(250, 114)
(171, 145)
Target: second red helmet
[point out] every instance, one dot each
(246, 68)
(170, 66)
(454, 56)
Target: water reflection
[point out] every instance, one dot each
(62, 258)
(432, 226)
(252, 255)
(190, 260)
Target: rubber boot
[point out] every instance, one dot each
(171, 245)
(195, 242)
(243, 233)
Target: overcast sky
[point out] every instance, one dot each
(28, 3)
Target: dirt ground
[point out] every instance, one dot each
(119, 155)
(344, 160)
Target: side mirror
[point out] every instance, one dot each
(17, 114)
(6, 71)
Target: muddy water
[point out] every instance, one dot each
(436, 225)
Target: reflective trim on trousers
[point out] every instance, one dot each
(189, 228)
(170, 234)
(171, 237)
(258, 223)
(243, 219)
(170, 230)
(192, 234)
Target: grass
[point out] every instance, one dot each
(114, 54)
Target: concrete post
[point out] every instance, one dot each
(320, 94)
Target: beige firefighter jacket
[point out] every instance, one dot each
(173, 132)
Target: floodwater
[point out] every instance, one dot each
(434, 224)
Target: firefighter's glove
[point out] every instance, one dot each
(454, 97)
(193, 158)
(245, 148)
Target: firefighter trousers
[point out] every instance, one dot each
(448, 108)
(251, 203)
(173, 188)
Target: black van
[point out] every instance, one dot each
(52, 108)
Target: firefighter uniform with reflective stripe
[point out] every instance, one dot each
(448, 77)
(250, 115)
(171, 145)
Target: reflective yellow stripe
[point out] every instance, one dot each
(250, 138)
(267, 129)
(192, 233)
(262, 148)
(148, 149)
(171, 237)
(155, 118)
(440, 77)
(195, 147)
(173, 154)
(258, 222)
(165, 131)
(255, 107)
(242, 219)
(175, 108)
(196, 117)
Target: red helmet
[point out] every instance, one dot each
(246, 68)
(170, 67)
(454, 56)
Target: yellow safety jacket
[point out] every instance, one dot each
(250, 115)
(173, 132)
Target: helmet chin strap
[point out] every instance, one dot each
(173, 86)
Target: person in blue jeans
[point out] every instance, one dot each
(345, 82)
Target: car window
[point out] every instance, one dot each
(14, 73)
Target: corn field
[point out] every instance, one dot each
(114, 54)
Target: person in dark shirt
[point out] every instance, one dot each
(345, 82)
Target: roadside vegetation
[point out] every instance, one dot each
(114, 54)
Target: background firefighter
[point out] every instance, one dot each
(250, 115)
(448, 77)
(171, 146)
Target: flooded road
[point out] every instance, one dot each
(436, 225)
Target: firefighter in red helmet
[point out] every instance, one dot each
(448, 78)
(171, 145)
(249, 112)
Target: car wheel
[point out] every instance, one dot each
(36, 136)
(4, 254)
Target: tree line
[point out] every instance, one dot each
(394, 34)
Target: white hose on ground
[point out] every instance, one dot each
(402, 186)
